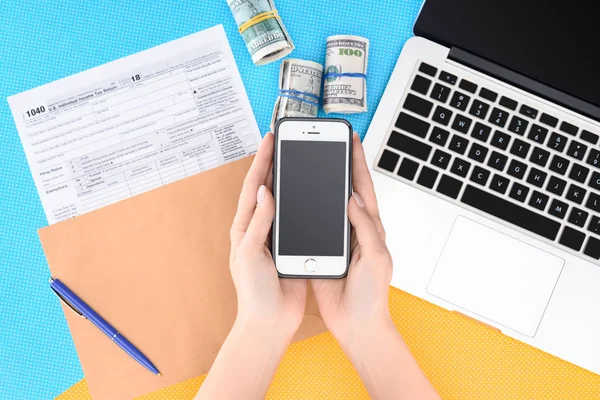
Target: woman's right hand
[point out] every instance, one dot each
(360, 301)
(355, 309)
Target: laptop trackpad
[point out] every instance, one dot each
(495, 276)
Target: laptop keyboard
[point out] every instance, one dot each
(478, 148)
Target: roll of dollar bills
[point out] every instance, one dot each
(345, 87)
(261, 27)
(299, 89)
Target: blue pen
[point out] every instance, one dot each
(77, 305)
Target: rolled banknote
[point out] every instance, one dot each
(299, 89)
(261, 27)
(345, 87)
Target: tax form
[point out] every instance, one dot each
(135, 124)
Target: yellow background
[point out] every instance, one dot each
(462, 358)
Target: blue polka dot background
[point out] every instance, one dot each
(42, 41)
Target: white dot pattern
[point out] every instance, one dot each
(462, 358)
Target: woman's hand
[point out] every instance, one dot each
(355, 309)
(351, 305)
(265, 302)
(269, 309)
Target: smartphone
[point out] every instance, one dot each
(312, 184)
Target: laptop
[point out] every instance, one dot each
(486, 162)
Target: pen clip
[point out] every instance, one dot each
(76, 311)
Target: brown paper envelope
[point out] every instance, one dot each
(156, 267)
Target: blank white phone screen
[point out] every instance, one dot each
(312, 191)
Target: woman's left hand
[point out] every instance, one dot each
(265, 302)
(270, 309)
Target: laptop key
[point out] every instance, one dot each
(460, 100)
(461, 123)
(478, 152)
(440, 92)
(468, 86)
(447, 77)
(460, 167)
(557, 142)
(576, 194)
(517, 169)
(595, 181)
(572, 238)
(388, 160)
(498, 117)
(480, 175)
(439, 136)
(519, 192)
(421, 84)
(500, 140)
(594, 225)
(428, 69)
(537, 177)
(409, 146)
(589, 137)
(508, 103)
(579, 173)
(441, 159)
(593, 202)
(510, 212)
(488, 94)
(559, 164)
(412, 125)
(497, 161)
(569, 128)
(578, 217)
(449, 186)
(427, 177)
(537, 133)
(418, 105)
(539, 156)
(558, 209)
(549, 120)
(594, 158)
(577, 150)
(458, 144)
(408, 169)
(442, 115)
(518, 125)
(556, 186)
(520, 148)
(528, 111)
(499, 184)
(538, 200)
(481, 132)
(592, 248)
(479, 109)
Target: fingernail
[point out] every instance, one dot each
(261, 193)
(358, 199)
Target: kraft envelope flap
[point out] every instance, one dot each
(156, 267)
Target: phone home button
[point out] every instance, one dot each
(310, 265)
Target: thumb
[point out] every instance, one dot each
(261, 222)
(364, 226)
